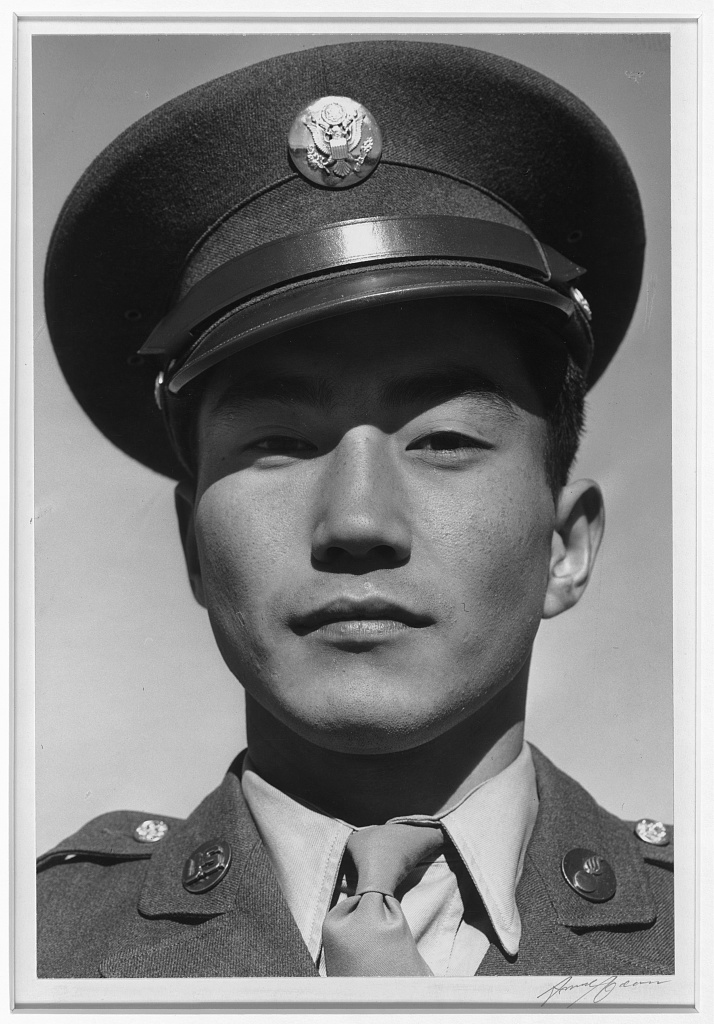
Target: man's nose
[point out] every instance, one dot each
(362, 510)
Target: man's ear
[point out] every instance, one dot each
(579, 525)
(185, 499)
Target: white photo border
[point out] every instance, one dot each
(692, 526)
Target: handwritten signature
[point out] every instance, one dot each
(595, 990)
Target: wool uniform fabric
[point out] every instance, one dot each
(126, 901)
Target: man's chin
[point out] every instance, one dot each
(367, 740)
(371, 709)
(384, 730)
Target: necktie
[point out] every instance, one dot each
(367, 934)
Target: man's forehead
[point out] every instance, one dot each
(428, 387)
(415, 353)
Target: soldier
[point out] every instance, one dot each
(350, 315)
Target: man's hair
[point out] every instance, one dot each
(564, 422)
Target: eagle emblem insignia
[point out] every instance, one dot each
(335, 142)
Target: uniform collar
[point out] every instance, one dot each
(250, 930)
(245, 925)
(490, 829)
(569, 818)
(554, 916)
(222, 815)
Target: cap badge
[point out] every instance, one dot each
(653, 832)
(335, 142)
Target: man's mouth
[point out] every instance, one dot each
(360, 620)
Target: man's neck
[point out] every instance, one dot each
(369, 789)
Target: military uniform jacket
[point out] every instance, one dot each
(109, 906)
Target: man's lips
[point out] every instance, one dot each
(370, 616)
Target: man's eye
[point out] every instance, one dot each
(446, 441)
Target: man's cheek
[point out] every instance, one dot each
(498, 541)
(243, 633)
(235, 567)
(505, 573)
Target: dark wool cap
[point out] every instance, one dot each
(323, 182)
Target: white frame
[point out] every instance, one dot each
(692, 374)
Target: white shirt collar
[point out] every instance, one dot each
(490, 828)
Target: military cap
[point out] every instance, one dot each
(322, 182)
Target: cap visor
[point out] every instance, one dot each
(303, 302)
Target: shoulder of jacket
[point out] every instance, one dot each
(651, 839)
(111, 837)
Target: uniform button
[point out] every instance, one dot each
(150, 831)
(577, 296)
(589, 874)
(653, 832)
(207, 866)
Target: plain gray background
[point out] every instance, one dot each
(135, 708)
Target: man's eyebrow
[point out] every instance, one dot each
(285, 388)
(428, 387)
(436, 386)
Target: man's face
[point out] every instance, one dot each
(373, 521)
